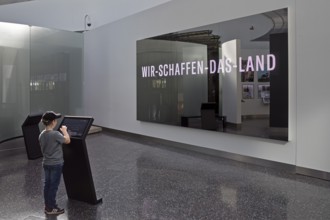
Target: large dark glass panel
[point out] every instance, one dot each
(229, 77)
(40, 69)
(56, 71)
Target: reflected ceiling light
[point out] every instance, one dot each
(7, 2)
(13, 35)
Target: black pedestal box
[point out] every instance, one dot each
(31, 132)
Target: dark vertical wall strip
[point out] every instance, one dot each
(279, 81)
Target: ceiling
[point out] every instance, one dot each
(6, 2)
(70, 14)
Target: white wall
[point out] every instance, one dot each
(313, 90)
(70, 14)
(110, 77)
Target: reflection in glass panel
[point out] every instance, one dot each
(40, 69)
(215, 76)
(164, 99)
(14, 78)
(56, 70)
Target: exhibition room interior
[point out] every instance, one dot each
(180, 101)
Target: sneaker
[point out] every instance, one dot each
(54, 211)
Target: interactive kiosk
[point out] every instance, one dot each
(77, 173)
(31, 132)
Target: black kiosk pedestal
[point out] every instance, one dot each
(76, 171)
(31, 132)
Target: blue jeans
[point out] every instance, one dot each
(52, 181)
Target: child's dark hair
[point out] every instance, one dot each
(46, 122)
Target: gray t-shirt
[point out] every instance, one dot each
(51, 146)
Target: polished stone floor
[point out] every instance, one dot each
(142, 179)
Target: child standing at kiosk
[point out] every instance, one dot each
(51, 146)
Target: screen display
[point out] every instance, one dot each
(240, 66)
(77, 127)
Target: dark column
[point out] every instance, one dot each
(279, 81)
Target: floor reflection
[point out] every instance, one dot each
(140, 178)
(168, 189)
(250, 126)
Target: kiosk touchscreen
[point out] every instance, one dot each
(77, 173)
(31, 131)
(78, 127)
